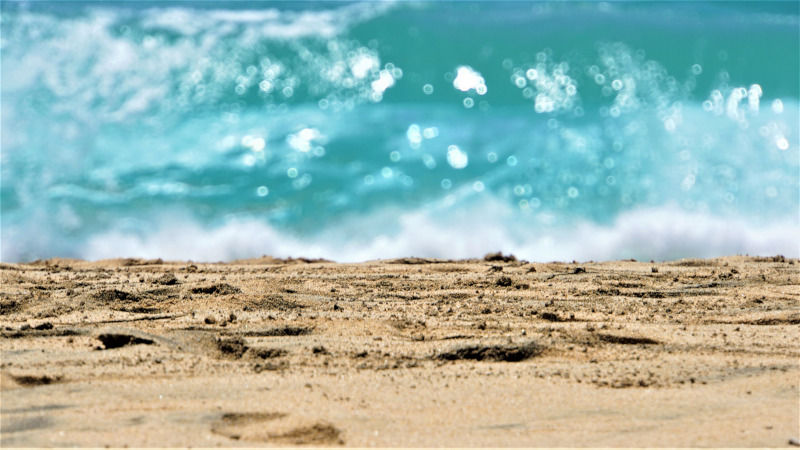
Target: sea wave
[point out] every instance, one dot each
(448, 129)
(664, 233)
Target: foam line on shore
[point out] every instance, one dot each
(657, 233)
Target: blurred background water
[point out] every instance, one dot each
(351, 131)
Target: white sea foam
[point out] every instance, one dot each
(272, 23)
(98, 69)
(656, 233)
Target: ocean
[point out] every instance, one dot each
(212, 131)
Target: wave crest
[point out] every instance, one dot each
(659, 234)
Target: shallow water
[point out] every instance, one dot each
(372, 130)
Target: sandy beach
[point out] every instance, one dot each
(407, 352)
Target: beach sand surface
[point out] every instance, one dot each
(406, 352)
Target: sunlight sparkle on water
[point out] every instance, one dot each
(456, 157)
(430, 132)
(468, 79)
(302, 140)
(782, 142)
(414, 135)
(777, 106)
(385, 81)
(362, 64)
(254, 143)
(428, 161)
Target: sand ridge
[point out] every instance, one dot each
(405, 352)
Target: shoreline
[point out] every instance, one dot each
(402, 352)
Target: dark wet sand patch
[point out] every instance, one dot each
(509, 353)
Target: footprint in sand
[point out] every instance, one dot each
(276, 427)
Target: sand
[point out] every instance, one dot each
(409, 352)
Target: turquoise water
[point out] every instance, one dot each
(353, 131)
